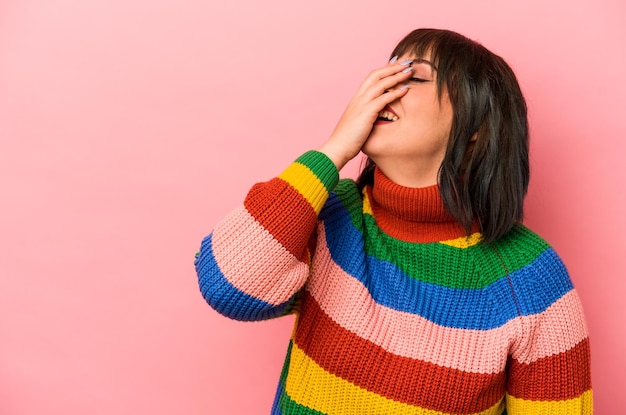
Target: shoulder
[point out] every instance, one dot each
(345, 197)
(347, 191)
(522, 248)
(521, 245)
(536, 273)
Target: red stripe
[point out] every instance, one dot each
(292, 226)
(401, 379)
(559, 377)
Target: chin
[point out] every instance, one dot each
(373, 146)
(378, 149)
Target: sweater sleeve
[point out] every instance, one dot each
(255, 261)
(549, 367)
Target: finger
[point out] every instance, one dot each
(391, 69)
(381, 101)
(375, 106)
(384, 72)
(386, 84)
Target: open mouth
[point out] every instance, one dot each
(387, 115)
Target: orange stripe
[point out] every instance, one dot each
(399, 378)
(558, 377)
(291, 226)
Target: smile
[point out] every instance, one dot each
(386, 115)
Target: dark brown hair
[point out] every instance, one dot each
(485, 172)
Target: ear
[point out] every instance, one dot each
(474, 137)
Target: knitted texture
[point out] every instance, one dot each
(398, 312)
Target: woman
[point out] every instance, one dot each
(417, 289)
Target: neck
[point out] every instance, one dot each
(411, 214)
(410, 173)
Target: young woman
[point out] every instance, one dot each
(416, 288)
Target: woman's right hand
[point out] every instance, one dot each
(355, 125)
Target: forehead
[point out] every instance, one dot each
(424, 64)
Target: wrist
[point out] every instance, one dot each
(335, 155)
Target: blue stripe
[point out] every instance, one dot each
(536, 285)
(541, 283)
(224, 297)
(276, 405)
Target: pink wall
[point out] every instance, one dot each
(129, 127)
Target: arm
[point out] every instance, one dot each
(549, 369)
(256, 259)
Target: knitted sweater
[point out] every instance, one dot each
(398, 312)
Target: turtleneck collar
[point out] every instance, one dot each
(411, 214)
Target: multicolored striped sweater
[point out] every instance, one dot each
(398, 312)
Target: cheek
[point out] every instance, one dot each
(430, 115)
(425, 104)
(446, 109)
(445, 115)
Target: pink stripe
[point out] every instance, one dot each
(558, 329)
(410, 335)
(268, 272)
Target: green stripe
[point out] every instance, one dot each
(283, 373)
(474, 267)
(520, 247)
(288, 406)
(322, 167)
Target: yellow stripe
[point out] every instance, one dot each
(464, 241)
(310, 385)
(582, 405)
(307, 184)
(367, 205)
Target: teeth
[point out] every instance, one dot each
(387, 115)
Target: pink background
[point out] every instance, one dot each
(129, 127)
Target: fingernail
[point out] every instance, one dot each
(407, 62)
(405, 70)
(403, 87)
(394, 59)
